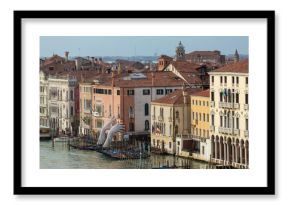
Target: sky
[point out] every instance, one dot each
(99, 46)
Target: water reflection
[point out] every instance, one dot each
(59, 156)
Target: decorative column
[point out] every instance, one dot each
(225, 152)
(228, 152)
(237, 153)
(216, 152)
(233, 153)
(241, 153)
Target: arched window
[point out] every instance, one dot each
(177, 115)
(176, 130)
(146, 107)
(146, 125)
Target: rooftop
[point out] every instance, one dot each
(239, 67)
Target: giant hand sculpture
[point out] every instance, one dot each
(116, 128)
(102, 136)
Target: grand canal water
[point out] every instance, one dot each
(59, 156)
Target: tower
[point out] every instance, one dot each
(66, 56)
(236, 56)
(180, 52)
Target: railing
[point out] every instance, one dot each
(246, 133)
(236, 105)
(229, 105)
(236, 131)
(212, 104)
(225, 130)
(246, 106)
(160, 118)
(211, 128)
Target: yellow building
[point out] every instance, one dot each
(200, 112)
(85, 89)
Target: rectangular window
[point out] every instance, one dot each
(130, 92)
(203, 150)
(237, 98)
(167, 91)
(203, 103)
(247, 125)
(246, 99)
(193, 102)
(221, 81)
(192, 115)
(221, 121)
(71, 110)
(146, 92)
(247, 81)
(204, 117)
(159, 91)
(237, 80)
(221, 96)
(237, 123)
(212, 96)
(199, 116)
(225, 79)
(169, 145)
(212, 120)
(212, 79)
(233, 80)
(118, 92)
(207, 117)
(109, 92)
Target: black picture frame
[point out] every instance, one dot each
(268, 190)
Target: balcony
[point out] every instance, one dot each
(236, 105)
(246, 133)
(211, 128)
(229, 105)
(236, 131)
(160, 118)
(169, 119)
(246, 106)
(225, 130)
(212, 104)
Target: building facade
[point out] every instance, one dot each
(229, 108)
(85, 109)
(44, 118)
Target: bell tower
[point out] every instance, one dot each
(180, 52)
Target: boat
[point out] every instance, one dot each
(61, 139)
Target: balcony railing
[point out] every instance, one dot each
(160, 118)
(212, 104)
(231, 131)
(236, 131)
(229, 105)
(246, 132)
(211, 128)
(246, 106)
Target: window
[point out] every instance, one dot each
(204, 117)
(200, 116)
(131, 110)
(207, 117)
(159, 91)
(221, 79)
(130, 92)
(207, 103)
(199, 103)
(169, 145)
(202, 150)
(237, 97)
(192, 115)
(221, 96)
(167, 91)
(233, 80)
(193, 102)
(177, 115)
(71, 111)
(237, 79)
(99, 123)
(212, 79)
(118, 92)
(212, 96)
(237, 123)
(109, 92)
(146, 125)
(247, 124)
(131, 126)
(246, 98)
(71, 95)
(146, 108)
(146, 92)
(225, 79)
(212, 120)
(203, 103)
(247, 81)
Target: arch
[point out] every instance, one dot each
(229, 150)
(176, 114)
(212, 146)
(217, 150)
(221, 144)
(176, 130)
(242, 144)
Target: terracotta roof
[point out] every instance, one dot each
(204, 53)
(176, 97)
(239, 67)
(185, 66)
(165, 56)
(204, 93)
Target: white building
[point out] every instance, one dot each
(229, 115)
(44, 120)
(61, 103)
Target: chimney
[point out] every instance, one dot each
(153, 79)
(66, 56)
(184, 94)
(113, 78)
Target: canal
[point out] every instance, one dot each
(59, 156)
